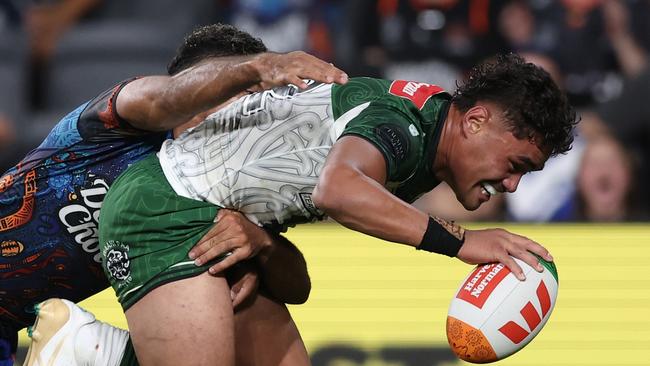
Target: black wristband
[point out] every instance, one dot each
(443, 240)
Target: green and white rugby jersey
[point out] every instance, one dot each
(263, 154)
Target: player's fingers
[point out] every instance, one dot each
(326, 73)
(222, 231)
(340, 76)
(243, 289)
(530, 259)
(295, 80)
(337, 75)
(540, 251)
(513, 266)
(323, 72)
(306, 66)
(312, 68)
(214, 252)
(214, 232)
(218, 228)
(532, 246)
(202, 249)
(226, 263)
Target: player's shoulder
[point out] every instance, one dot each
(415, 91)
(409, 97)
(93, 119)
(100, 115)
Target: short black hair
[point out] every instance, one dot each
(532, 103)
(215, 40)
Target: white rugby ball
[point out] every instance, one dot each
(494, 315)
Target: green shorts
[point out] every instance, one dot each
(146, 231)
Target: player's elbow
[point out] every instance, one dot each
(329, 196)
(320, 198)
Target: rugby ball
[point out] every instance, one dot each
(494, 315)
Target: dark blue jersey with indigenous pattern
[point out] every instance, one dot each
(49, 207)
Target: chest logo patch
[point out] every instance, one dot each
(416, 92)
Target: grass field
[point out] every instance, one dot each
(386, 304)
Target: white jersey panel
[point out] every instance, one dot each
(262, 155)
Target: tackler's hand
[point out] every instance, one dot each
(233, 237)
(278, 69)
(498, 245)
(244, 281)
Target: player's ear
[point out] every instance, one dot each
(475, 118)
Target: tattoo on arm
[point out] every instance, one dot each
(452, 227)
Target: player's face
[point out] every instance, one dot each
(491, 160)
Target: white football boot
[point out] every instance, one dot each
(66, 335)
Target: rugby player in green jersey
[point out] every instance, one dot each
(213, 64)
(359, 153)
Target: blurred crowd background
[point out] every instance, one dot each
(56, 54)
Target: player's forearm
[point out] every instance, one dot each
(283, 271)
(364, 205)
(164, 102)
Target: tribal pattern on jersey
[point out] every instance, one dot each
(261, 156)
(264, 153)
(49, 208)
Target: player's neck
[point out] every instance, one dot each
(446, 144)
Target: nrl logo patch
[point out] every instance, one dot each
(11, 248)
(116, 260)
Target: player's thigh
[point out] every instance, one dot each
(266, 335)
(185, 322)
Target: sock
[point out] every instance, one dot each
(129, 355)
(100, 344)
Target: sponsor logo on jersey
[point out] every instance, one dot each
(11, 248)
(515, 332)
(481, 283)
(309, 205)
(81, 216)
(416, 92)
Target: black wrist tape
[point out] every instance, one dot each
(438, 239)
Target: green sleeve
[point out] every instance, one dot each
(397, 138)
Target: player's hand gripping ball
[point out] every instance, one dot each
(494, 315)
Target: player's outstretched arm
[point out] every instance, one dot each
(159, 103)
(351, 191)
(282, 268)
